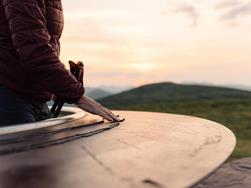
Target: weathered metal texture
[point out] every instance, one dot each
(147, 150)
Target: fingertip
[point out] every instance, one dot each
(110, 119)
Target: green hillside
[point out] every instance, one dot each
(166, 92)
(230, 107)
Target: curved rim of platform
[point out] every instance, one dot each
(75, 114)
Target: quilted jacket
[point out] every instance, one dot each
(29, 51)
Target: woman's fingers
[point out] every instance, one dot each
(105, 110)
(112, 115)
(96, 108)
(104, 115)
(101, 112)
(107, 114)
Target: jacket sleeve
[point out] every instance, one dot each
(31, 40)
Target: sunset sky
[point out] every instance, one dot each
(133, 42)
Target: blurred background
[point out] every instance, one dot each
(175, 56)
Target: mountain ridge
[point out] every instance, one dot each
(169, 91)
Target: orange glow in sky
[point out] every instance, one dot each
(134, 42)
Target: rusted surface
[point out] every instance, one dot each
(147, 150)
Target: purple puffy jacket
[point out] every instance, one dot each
(29, 50)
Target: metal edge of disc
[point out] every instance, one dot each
(76, 114)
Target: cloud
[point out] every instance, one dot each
(233, 10)
(190, 11)
(234, 13)
(227, 4)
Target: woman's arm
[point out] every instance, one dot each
(40, 61)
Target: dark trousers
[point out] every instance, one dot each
(15, 109)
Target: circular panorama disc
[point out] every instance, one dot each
(146, 150)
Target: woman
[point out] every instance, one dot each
(30, 68)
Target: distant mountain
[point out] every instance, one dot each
(104, 91)
(96, 93)
(242, 87)
(233, 86)
(169, 92)
(115, 89)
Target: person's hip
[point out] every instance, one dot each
(16, 109)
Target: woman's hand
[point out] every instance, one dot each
(89, 105)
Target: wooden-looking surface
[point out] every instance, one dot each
(146, 150)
